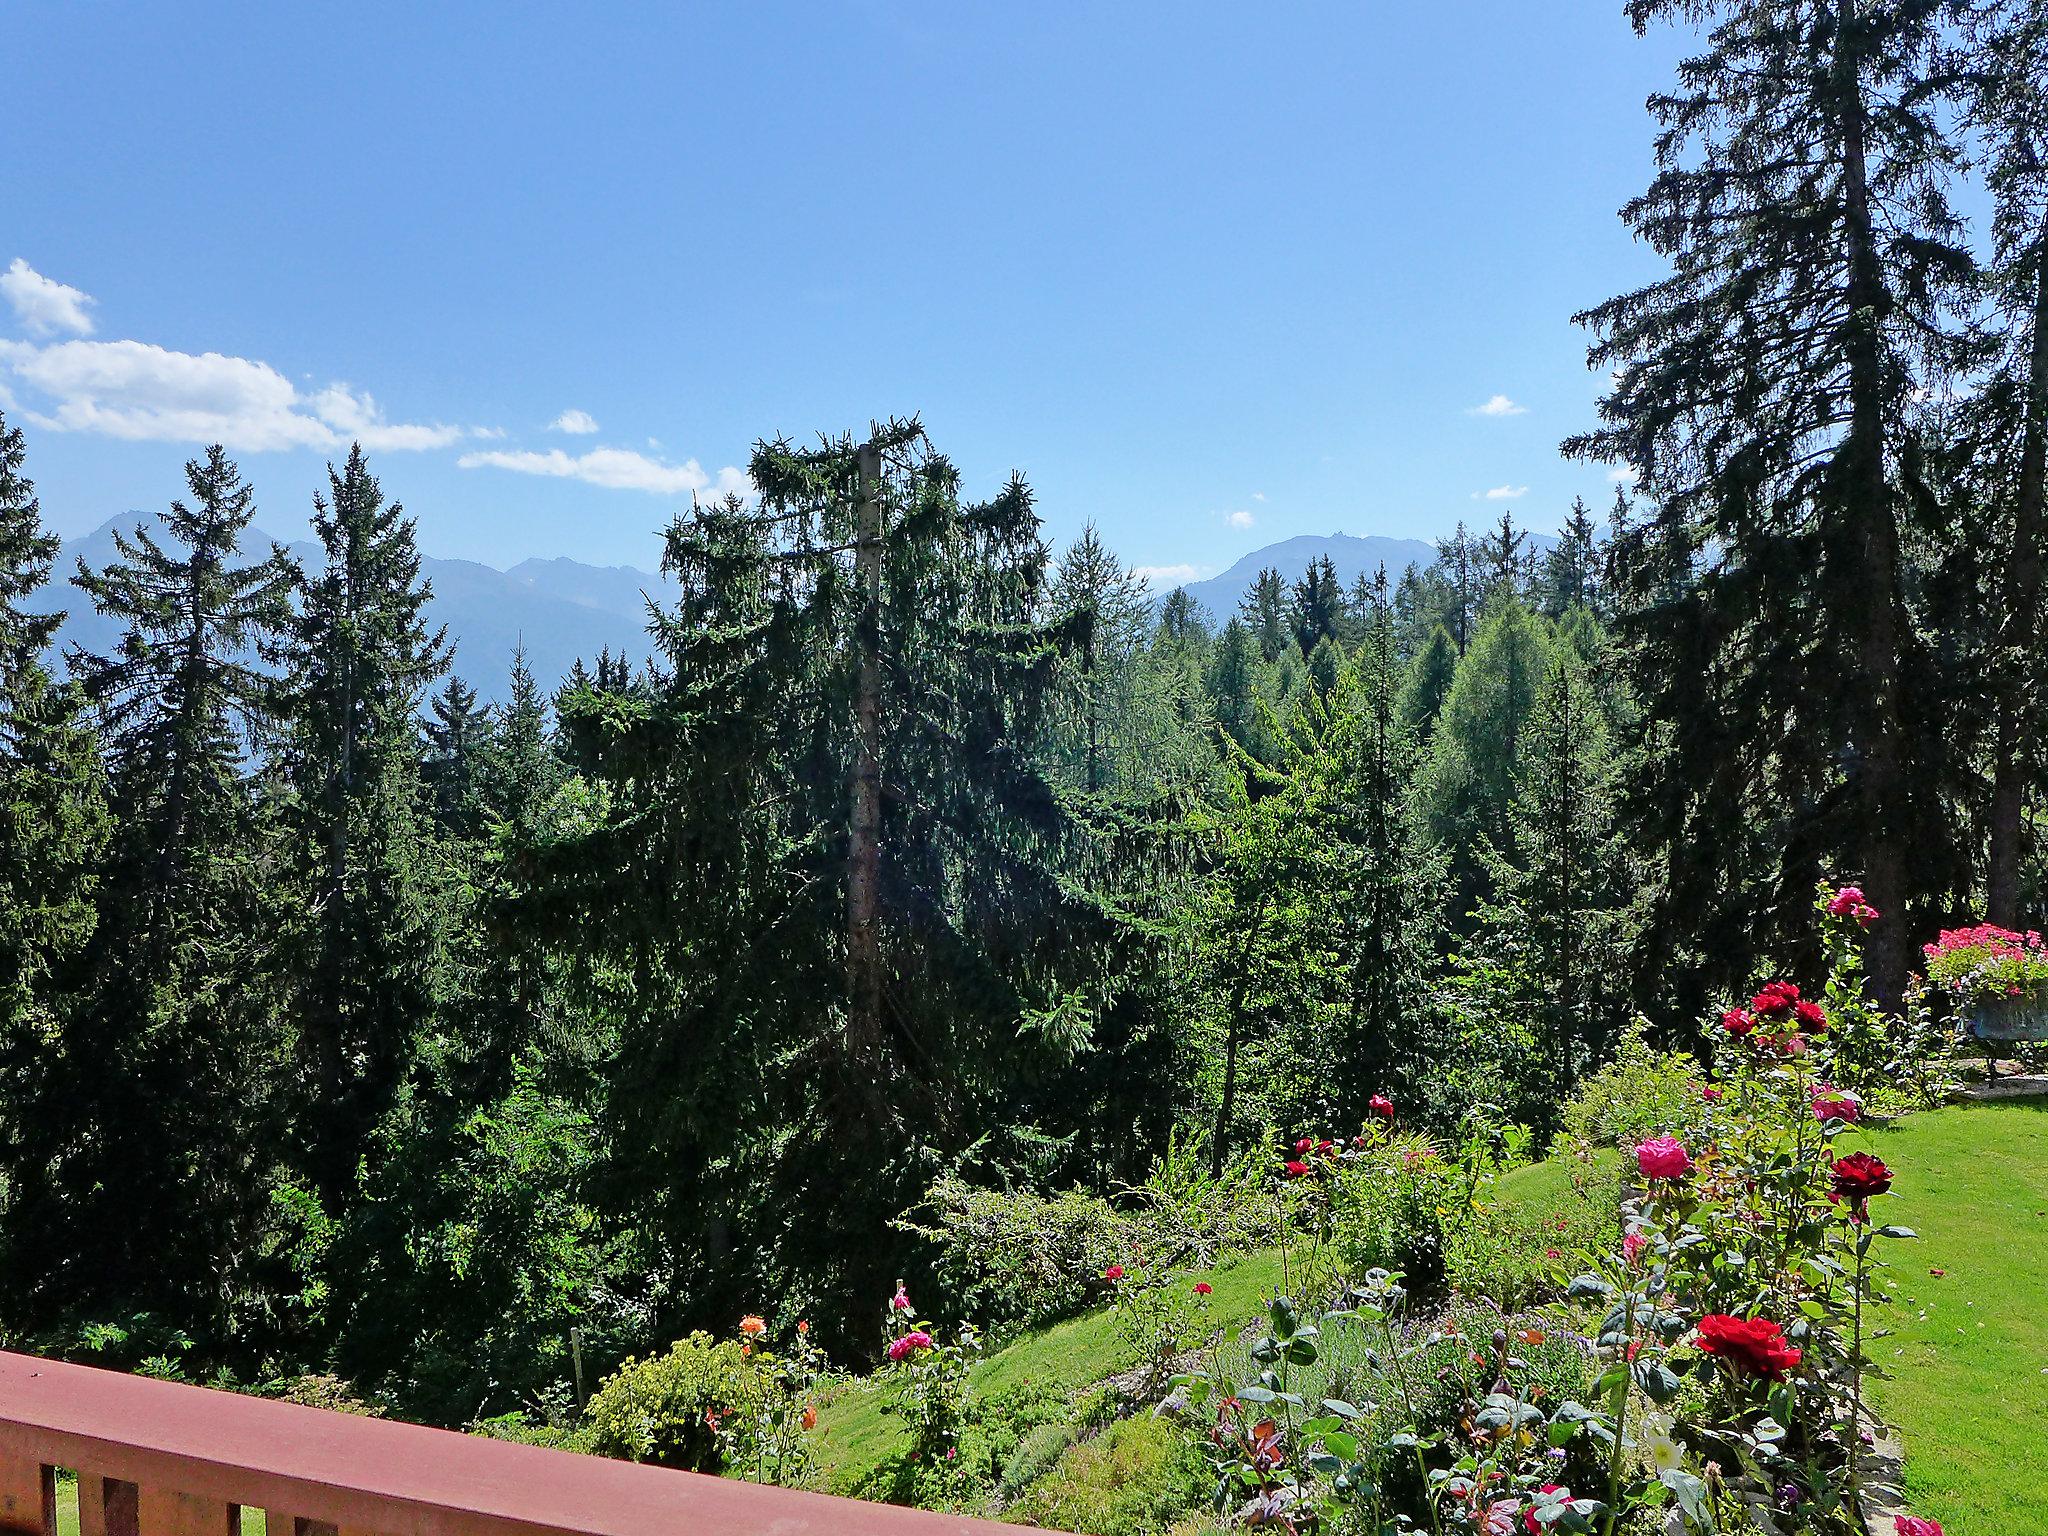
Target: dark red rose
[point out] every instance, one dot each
(1296, 1169)
(1304, 1144)
(1812, 1017)
(1775, 1001)
(1382, 1106)
(1755, 1346)
(1859, 1176)
(1737, 1022)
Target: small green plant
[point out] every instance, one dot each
(1640, 1094)
(1135, 1478)
(665, 1409)
(1160, 1314)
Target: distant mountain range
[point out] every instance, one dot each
(561, 609)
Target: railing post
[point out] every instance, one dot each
(162, 1512)
(28, 1498)
(106, 1506)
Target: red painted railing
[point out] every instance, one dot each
(156, 1458)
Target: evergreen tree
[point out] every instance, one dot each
(1093, 586)
(1504, 559)
(1571, 568)
(1181, 620)
(1476, 754)
(459, 735)
(1766, 393)
(1458, 565)
(1264, 612)
(139, 1180)
(26, 553)
(359, 660)
(524, 766)
(1233, 683)
(1424, 602)
(1318, 606)
(1427, 684)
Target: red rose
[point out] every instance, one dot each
(1710, 1094)
(1812, 1016)
(1203, 1288)
(1663, 1157)
(1114, 1273)
(1846, 900)
(1859, 1176)
(1916, 1525)
(1775, 1001)
(1755, 1346)
(1737, 1023)
(1295, 1170)
(1304, 1144)
(1829, 1105)
(1382, 1106)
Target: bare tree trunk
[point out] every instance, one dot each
(2015, 744)
(1881, 782)
(864, 846)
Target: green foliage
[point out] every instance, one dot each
(1640, 1094)
(1037, 1453)
(1137, 1476)
(1390, 1206)
(1511, 1251)
(659, 1409)
(1015, 1257)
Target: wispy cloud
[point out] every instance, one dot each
(1502, 493)
(617, 469)
(1258, 495)
(142, 392)
(1624, 474)
(44, 306)
(578, 423)
(1499, 405)
(1162, 578)
(1239, 519)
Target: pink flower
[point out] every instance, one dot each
(1710, 1094)
(1916, 1525)
(1381, 1105)
(909, 1344)
(1830, 1105)
(1632, 1245)
(1846, 900)
(900, 1302)
(1663, 1157)
(1548, 1253)
(1114, 1273)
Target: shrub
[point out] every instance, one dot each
(1015, 1257)
(1137, 1476)
(1388, 1207)
(1640, 1094)
(662, 1409)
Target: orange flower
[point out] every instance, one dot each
(810, 1417)
(803, 1328)
(752, 1326)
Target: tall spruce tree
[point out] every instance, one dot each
(459, 735)
(1765, 392)
(1569, 575)
(358, 663)
(1264, 611)
(140, 1177)
(1093, 586)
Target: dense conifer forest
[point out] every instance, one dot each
(351, 1028)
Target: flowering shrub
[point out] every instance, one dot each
(763, 1436)
(930, 1380)
(666, 1409)
(1985, 963)
(1160, 1314)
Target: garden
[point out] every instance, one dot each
(1707, 1308)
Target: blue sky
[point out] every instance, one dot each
(1210, 275)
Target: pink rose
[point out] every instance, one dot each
(1632, 1245)
(1916, 1525)
(909, 1344)
(1663, 1157)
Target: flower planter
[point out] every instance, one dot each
(2010, 1018)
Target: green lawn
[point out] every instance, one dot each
(1969, 1356)
(67, 1511)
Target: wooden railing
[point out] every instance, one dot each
(157, 1458)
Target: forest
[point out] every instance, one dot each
(351, 1030)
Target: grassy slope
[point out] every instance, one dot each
(1970, 1351)
(854, 1434)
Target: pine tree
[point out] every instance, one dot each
(1476, 754)
(1458, 563)
(1428, 683)
(1233, 683)
(1263, 610)
(1181, 620)
(459, 735)
(359, 659)
(524, 767)
(1766, 393)
(1092, 585)
(140, 1176)
(1554, 929)
(2005, 60)
(1504, 559)
(1570, 575)
(26, 554)
(1317, 606)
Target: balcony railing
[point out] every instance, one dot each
(157, 1458)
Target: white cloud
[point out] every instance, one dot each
(44, 306)
(1167, 577)
(142, 392)
(1624, 475)
(1240, 519)
(619, 469)
(1258, 495)
(1499, 405)
(1503, 493)
(578, 423)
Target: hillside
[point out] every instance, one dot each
(1352, 554)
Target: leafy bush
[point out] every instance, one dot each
(661, 1409)
(1015, 1257)
(1139, 1475)
(1640, 1094)
(1388, 1207)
